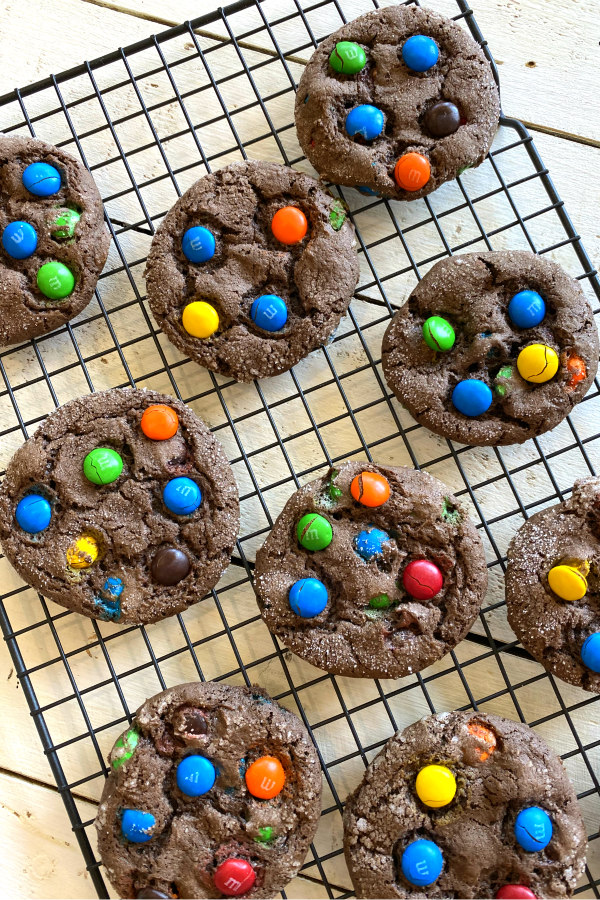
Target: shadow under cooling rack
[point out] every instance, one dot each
(148, 121)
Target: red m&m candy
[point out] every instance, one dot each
(289, 225)
(234, 877)
(422, 579)
(265, 778)
(515, 892)
(370, 489)
(159, 422)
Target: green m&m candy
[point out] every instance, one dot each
(102, 465)
(314, 532)
(347, 58)
(55, 281)
(438, 334)
(124, 748)
(63, 226)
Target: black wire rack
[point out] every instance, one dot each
(148, 120)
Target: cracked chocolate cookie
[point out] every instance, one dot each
(553, 586)
(492, 348)
(465, 804)
(252, 269)
(122, 506)
(371, 571)
(54, 241)
(214, 791)
(397, 102)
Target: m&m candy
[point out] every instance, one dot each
(234, 877)
(198, 244)
(371, 489)
(366, 121)
(41, 179)
(370, 543)
(308, 597)
(55, 280)
(347, 58)
(200, 319)
(568, 582)
(435, 786)
(533, 829)
(485, 736)
(515, 892)
(64, 224)
(195, 776)
(102, 465)
(19, 239)
(577, 370)
(442, 119)
(289, 225)
(33, 513)
(182, 496)
(83, 552)
(526, 309)
(170, 566)
(412, 171)
(422, 579)
(422, 863)
(420, 53)
(159, 422)
(472, 397)
(265, 834)
(152, 894)
(537, 363)
(265, 778)
(136, 825)
(124, 748)
(269, 312)
(314, 532)
(438, 334)
(590, 652)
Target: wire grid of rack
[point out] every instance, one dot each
(149, 120)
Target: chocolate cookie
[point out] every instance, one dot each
(252, 269)
(492, 348)
(553, 586)
(397, 102)
(214, 791)
(54, 241)
(371, 571)
(465, 805)
(122, 506)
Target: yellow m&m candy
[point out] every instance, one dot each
(537, 363)
(200, 319)
(435, 786)
(568, 582)
(83, 552)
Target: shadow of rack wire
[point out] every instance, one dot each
(149, 120)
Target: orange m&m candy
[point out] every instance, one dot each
(412, 171)
(159, 422)
(289, 225)
(485, 736)
(370, 489)
(576, 369)
(265, 778)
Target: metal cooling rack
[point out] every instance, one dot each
(149, 120)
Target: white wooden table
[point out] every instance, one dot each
(547, 53)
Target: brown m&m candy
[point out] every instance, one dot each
(170, 566)
(442, 119)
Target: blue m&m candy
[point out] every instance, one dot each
(526, 309)
(269, 312)
(136, 825)
(195, 776)
(422, 863)
(198, 244)
(472, 397)
(19, 239)
(41, 179)
(182, 496)
(365, 120)
(33, 513)
(590, 652)
(367, 190)
(420, 53)
(370, 543)
(308, 597)
(533, 829)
